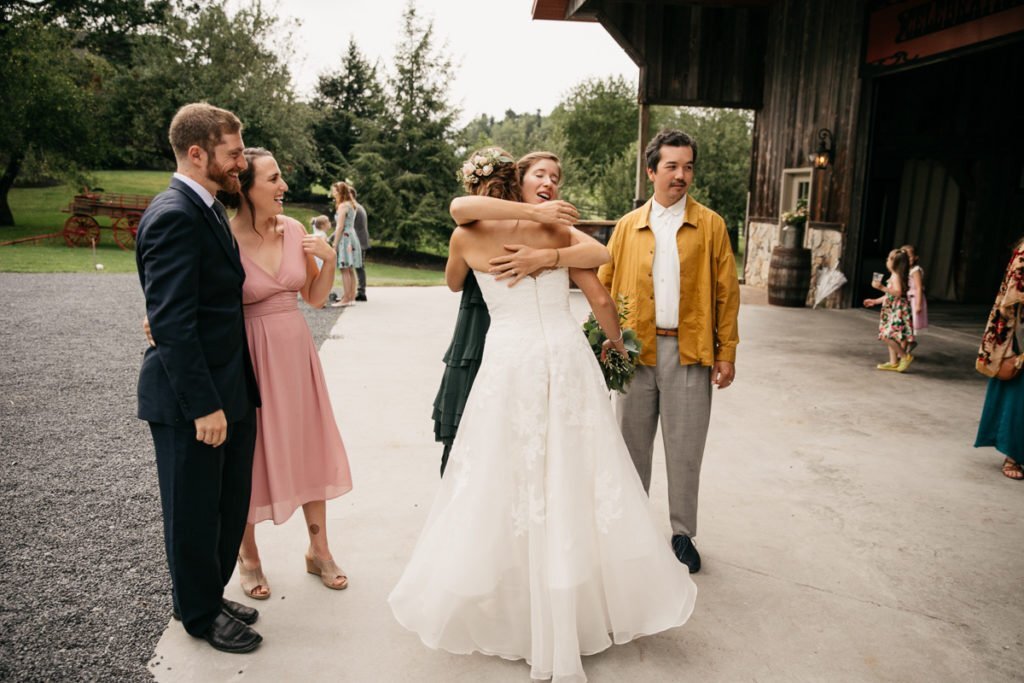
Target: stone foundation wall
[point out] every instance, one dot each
(761, 239)
(826, 250)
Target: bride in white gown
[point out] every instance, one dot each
(539, 544)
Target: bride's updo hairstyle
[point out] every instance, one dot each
(491, 172)
(524, 164)
(245, 178)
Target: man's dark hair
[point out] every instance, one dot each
(672, 138)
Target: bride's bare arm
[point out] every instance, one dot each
(602, 304)
(456, 269)
(471, 208)
(584, 252)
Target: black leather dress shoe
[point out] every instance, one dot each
(686, 551)
(246, 615)
(228, 634)
(360, 297)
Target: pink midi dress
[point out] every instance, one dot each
(299, 454)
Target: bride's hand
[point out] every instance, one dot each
(521, 262)
(556, 212)
(617, 345)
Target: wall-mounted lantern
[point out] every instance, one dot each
(823, 156)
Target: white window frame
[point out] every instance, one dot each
(788, 194)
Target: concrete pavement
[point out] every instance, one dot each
(849, 530)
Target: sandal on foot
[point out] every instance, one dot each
(331, 575)
(1012, 470)
(887, 366)
(905, 363)
(253, 581)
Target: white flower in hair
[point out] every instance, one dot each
(487, 170)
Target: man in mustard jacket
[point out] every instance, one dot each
(672, 261)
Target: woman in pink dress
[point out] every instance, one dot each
(299, 458)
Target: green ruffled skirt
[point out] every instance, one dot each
(462, 360)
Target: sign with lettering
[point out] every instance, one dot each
(905, 31)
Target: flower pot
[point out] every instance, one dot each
(792, 235)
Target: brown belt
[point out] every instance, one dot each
(663, 332)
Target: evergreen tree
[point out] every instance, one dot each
(411, 153)
(349, 102)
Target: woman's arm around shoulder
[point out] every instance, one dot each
(471, 208)
(456, 269)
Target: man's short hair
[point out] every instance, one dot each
(201, 124)
(672, 138)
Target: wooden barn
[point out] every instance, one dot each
(897, 121)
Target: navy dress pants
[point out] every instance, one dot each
(204, 493)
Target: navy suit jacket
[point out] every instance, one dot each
(192, 277)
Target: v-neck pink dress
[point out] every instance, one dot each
(299, 454)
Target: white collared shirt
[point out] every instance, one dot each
(665, 223)
(203, 193)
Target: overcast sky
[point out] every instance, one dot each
(504, 59)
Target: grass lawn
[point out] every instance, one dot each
(37, 211)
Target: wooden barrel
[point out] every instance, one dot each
(789, 276)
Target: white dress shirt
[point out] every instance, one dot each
(203, 193)
(665, 223)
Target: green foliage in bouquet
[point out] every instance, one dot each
(618, 370)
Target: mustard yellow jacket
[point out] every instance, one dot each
(709, 293)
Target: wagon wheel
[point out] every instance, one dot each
(81, 231)
(125, 229)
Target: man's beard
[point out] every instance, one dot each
(228, 183)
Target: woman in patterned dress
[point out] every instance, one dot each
(1000, 358)
(350, 253)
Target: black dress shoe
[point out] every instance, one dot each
(360, 297)
(228, 634)
(246, 615)
(686, 551)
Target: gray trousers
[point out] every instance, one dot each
(360, 281)
(681, 396)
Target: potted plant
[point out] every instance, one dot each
(793, 225)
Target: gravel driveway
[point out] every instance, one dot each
(84, 592)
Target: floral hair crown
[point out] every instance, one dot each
(481, 165)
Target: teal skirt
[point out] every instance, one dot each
(462, 360)
(1002, 418)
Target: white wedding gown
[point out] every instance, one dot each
(540, 544)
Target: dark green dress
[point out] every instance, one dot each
(462, 360)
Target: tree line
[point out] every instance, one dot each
(94, 84)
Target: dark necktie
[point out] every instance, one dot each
(222, 214)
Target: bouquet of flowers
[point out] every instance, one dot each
(618, 369)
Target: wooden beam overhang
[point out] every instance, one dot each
(699, 53)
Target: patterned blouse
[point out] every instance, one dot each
(1005, 319)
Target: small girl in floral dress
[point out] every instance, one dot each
(895, 324)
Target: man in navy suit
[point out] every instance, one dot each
(197, 388)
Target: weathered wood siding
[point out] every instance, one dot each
(812, 81)
(697, 54)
